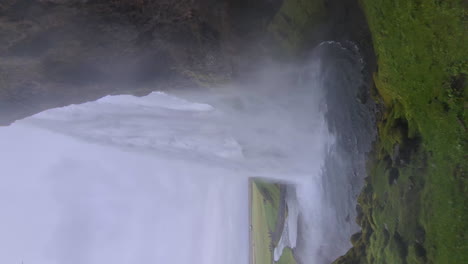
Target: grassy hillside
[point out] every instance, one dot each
(265, 204)
(260, 240)
(414, 207)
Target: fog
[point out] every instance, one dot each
(67, 201)
(163, 178)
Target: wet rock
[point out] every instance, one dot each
(75, 51)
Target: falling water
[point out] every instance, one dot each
(300, 124)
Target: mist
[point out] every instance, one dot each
(163, 178)
(68, 201)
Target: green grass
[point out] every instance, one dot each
(265, 203)
(415, 202)
(287, 257)
(271, 197)
(260, 231)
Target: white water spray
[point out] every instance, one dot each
(273, 127)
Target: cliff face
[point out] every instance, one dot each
(414, 206)
(57, 52)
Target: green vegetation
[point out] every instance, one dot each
(266, 198)
(271, 200)
(260, 232)
(295, 20)
(414, 206)
(287, 257)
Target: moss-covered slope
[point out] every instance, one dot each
(414, 207)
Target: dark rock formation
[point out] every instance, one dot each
(57, 52)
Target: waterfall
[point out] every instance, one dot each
(176, 166)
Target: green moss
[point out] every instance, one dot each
(295, 20)
(415, 204)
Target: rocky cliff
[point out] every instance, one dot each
(57, 52)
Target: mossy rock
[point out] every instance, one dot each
(295, 19)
